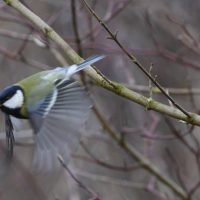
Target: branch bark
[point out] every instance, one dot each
(117, 88)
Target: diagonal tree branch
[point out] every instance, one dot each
(144, 162)
(117, 88)
(134, 59)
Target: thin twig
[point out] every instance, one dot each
(105, 164)
(113, 36)
(75, 27)
(75, 178)
(180, 137)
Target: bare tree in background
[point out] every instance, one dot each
(128, 151)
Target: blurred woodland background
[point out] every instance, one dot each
(164, 36)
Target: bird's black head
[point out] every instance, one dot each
(11, 100)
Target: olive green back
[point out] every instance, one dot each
(36, 88)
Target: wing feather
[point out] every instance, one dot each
(57, 124)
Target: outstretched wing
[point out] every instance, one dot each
(57, 123)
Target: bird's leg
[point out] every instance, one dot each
(9, 135)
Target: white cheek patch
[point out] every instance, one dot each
(16, 101)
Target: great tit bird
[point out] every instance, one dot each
(56, 106)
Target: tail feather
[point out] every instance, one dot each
(76, 68)
(89, 61)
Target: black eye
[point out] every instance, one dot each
(8, 97)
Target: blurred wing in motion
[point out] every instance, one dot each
(57, 123)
